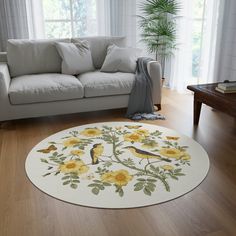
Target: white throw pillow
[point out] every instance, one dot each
(120, 59)
(76, 57)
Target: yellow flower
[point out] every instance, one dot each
(70, 142)
(78, 167)
(107, 177)
(91, 132)
(167, 167)
(122, 177)
(185, 156)
(133, 137)
(172, 137)
(171, 153)
(77, 152)
(143, 132)
(119, 177)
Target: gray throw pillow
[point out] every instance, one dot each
(120, 59)
(76, 57)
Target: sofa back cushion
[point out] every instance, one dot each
(33, 56)
(98, 47)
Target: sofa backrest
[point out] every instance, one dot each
(41, 56)
(98, 47)
(33, 56)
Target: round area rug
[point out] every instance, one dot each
(117, 165)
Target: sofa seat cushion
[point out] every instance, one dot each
(44, 88)
(98, 83)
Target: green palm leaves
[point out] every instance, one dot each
(158, 24)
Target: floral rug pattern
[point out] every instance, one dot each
(115, 158)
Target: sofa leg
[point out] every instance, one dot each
(157, 107)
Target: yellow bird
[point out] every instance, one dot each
(96, 152)
(144, 154)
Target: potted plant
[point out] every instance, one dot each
(158, 28)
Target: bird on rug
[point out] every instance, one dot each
(96, 152)
(48, 150)
(144, 154)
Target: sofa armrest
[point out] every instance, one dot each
(3, 57)
(4, 79)
(154, 70)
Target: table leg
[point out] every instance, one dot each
(196, 111)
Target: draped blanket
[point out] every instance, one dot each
(140, 102)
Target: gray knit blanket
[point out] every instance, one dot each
(140, 101)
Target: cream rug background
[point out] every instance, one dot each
(117, 165)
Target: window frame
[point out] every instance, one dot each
(71, 20)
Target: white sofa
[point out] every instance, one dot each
(31, 83)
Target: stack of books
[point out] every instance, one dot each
(229, 87)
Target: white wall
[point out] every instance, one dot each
(227, 55)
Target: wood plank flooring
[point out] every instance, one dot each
(208, 210)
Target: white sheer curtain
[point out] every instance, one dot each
(13, 21)
(181, 62)
(20, 19)
(35, 19)
(103, 17)
(211, 33)
(180, 74)
(117, 18)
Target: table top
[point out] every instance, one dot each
(210, 90)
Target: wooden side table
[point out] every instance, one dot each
(206, 93)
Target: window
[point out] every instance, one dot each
(69, 18)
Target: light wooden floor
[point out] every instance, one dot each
(209, 210)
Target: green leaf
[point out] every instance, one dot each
(138, 187)
(43, 160)
(97, 181)
(151, 180)
(151, 186)
(74, 177)
(147, 191)
(58, 161)
(128, 162)
(74, 186)
(121, 192)
(174, 177)
(65, 177)
(139, 184)
(92, 185)
(177, 170)
(101, 187)
(95, 191)
(106, 184)
(141, 179)
(46, 174)
(75, 181)
(66, 182)
(140, 173)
